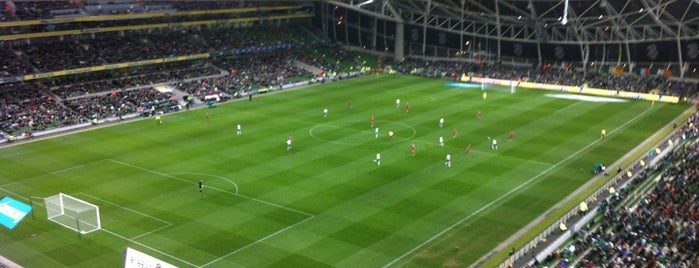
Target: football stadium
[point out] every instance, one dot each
(370, 133)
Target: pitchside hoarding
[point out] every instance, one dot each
(12, 212)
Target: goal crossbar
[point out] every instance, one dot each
(73, 213)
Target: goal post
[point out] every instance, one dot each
(73, 213)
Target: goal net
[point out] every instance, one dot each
(73, 213)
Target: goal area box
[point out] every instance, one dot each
(73, 213)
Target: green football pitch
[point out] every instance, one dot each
(325, 202)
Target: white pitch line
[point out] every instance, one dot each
(124, 208)
(38, 176)
(167, 223)
(309, 216)
(256, 242)
(16, 195)
(369, 133)
(218, 189)
(50, 173)
(149, 247)
(149, 170)
(125, 238)
(491, 153)
(209, 175)
(248, 197)
(275, 205)
(569, 106)
(507, 194)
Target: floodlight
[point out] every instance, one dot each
(367, 2)
(564, 21)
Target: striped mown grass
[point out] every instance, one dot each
(324, 203)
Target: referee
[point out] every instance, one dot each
(201, 186)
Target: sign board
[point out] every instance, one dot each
(12, 212)
(136, 259)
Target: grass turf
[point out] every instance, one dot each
(324, 203)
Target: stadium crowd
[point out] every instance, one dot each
(332, 59)
(99, 96)
(255, 72)
(247, 59)
(44, 55)
(659, 231)
(540, 74)
(80, 98)
(120, 103)
(68, 88)
(91, 95)
(97, 50)
(25, 108)
(13, 65)
(32, 10)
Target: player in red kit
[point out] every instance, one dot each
(468, 149)
(413, 149)
(478, 115)
(407, 107)
(454, 132)
(512, 135)
(372, 121)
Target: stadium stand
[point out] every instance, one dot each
(658, 231)
(648, 222)
(87, 96)
(562, 76)
(25, 109)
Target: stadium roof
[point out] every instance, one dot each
(587, 21)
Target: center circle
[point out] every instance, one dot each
(359, 133)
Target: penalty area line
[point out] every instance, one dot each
(215, 188)
(209, 175)
(166, 223)
(308, 215)
(150, 248)
(256, 242)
